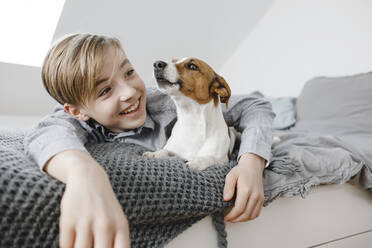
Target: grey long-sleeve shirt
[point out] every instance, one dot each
(251, 115)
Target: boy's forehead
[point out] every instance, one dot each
(113, 60)
(114, 56)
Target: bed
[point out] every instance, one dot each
(335, 215)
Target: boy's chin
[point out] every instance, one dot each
(133, 124)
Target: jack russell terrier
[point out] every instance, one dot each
(200, 135)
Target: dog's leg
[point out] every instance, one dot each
(158, 154)
(202, 163)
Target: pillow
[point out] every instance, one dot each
(337, 98)
(285, 110)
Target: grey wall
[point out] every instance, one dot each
(22, 91)
(149, 30)
(163, 29)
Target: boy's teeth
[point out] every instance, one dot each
(131, 109)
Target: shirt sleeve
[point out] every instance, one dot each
(252, 116)
(55, 133)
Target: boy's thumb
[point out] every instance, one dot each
(229, 189)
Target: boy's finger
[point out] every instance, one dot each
(256, 211)
(229, 189)
(122, 240)
(251, 205)
(84, 238)
(66, 237)
(103, 239)
(239, 206)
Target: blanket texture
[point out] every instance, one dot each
(160, 197)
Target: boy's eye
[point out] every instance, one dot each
(104, 91)
(129, 72)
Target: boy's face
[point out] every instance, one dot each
(119, 102)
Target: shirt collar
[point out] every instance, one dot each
(149, 122)
(109, 135)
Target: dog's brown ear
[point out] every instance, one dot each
(221, 88)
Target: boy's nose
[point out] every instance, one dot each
(124, 98)
(127, 93)
(160, 65)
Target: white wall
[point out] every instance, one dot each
(27, 28)
(300, 39)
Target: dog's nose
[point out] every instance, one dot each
(160, 65)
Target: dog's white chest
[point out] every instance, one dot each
(200, 131)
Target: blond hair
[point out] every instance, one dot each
(73, 65)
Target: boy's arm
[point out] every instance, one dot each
(253, 117)
(90, 211)
(54, 134)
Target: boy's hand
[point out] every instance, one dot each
(90, 213)
(246, 178)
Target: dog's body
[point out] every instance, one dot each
(200, 135)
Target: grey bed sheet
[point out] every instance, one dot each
(307, 159)
(357, 137)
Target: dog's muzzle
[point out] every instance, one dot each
(160, 74)
(159, 67)
(161, 71)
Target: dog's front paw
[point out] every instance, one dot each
(196, 164)
(148, 154)
(158, 154)
(202, 163)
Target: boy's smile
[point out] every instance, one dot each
(119, 103)
(132, 109)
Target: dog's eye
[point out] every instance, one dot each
(192, 66)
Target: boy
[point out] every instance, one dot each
(104, 99)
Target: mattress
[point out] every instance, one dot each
(339, 215)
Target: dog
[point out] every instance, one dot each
(200, 135)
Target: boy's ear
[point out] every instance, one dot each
(75, 112)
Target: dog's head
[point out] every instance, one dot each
(193, 78)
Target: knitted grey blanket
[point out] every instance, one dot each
(161, 198)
